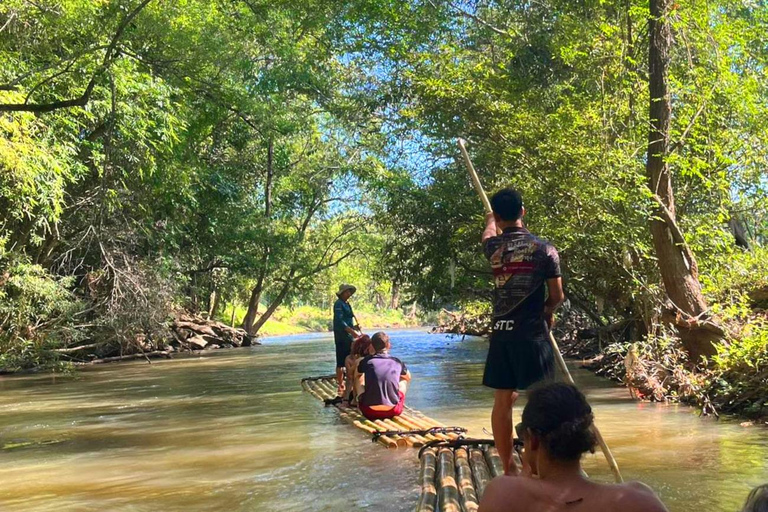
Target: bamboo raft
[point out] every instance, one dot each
(410, 429)
(454, 471)
(454, 475)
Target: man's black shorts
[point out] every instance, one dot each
(518, 359)
(343, 347)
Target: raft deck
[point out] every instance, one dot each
(454, 470)
(454, 476)
(410, 429)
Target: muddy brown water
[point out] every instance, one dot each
(232, 431)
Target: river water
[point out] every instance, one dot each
(232, 431)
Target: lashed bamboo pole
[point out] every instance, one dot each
(428, 498)
(410, 440)
(469, 500)
(447, 492)
(494, 461)
(480, 471)
(558, 356)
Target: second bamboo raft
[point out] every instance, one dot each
(324, 388)
(453, 478)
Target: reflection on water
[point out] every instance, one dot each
(233, 431)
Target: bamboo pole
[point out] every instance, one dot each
(494, 461)
(428, 499)
(447, 492)
(558, 356)
(603, 445)
(469, 500)
(480, 471)
(391, 425)
(473, 174)
(415, 440)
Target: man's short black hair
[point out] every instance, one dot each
(380, 342)
(507, 203)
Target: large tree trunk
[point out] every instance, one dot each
(676, 261)
(274, 304)
(253, 302)
(213, 303)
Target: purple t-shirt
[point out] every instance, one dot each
(382, 379)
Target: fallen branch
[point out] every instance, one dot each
(156, 354)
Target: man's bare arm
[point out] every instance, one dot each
(556, 297)
(490, 227)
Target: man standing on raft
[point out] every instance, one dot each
(520, 352)
(345, 329)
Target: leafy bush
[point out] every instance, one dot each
(36, 309)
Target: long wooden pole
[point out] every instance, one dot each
(558, 356)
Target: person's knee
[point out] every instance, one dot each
(505, 398)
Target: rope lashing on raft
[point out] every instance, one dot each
(464, 442)
(333, 401)
(322, 377)
(434, 430)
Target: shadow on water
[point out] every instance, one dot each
(231, 430)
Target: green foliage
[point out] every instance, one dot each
(195, 153)
(35, 311)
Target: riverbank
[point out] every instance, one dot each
(302, 319)
(656, 367)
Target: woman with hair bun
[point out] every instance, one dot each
(557, 431)
(757, 501)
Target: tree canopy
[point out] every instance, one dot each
(193, 153)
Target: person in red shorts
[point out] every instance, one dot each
(382, 382)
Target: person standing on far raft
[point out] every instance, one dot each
(524, 268)
(345, 329)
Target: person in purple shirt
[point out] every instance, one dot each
(382, 382)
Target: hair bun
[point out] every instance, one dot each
(571, 439)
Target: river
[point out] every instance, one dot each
(231, 430)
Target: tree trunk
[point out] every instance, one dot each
(394, 300)
(253, 301)
(213, 303)
(676, 261)
(274, 305)
(739, 232)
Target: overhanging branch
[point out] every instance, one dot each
(84, 98)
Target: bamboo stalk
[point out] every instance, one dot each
(469, 500)
(422, 424)
(394, 426)
(558, 356)
(603, 445)
(480, 471)
(473, 174)
(447, 492)
(399, 440)
(494, 461)
(428, 498)
(411, 440)
(404, 424)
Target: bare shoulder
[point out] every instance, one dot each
(505, 493)
(638, 497)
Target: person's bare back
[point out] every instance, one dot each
(557, 430)
(527, 494)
